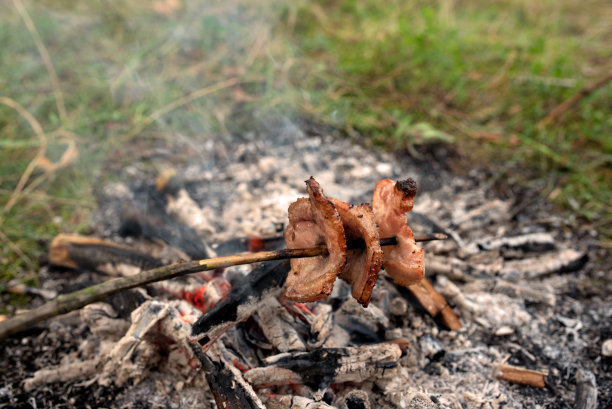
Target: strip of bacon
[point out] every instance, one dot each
(405, 262)
(312, 222)
(363, 265)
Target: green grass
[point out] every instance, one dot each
(399, 74)
(486, 72)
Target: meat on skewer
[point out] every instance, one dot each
(312, 222)
(363, 265)
(404, 262)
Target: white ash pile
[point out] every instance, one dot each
(505, 272)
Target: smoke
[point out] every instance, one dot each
(129, 89)
(197, 69)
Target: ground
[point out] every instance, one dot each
(561, 336)
(88, 88)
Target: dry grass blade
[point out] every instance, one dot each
(47, 198)
(180, 102)
(574, 99)
(44, 54)
(38, 130)
(27, 260)
(22, 188)
(50, 168)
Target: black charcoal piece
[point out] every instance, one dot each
(267, 280)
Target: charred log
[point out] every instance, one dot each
(75, 251)
(226, 383)
(322, 367)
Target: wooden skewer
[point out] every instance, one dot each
(68, 302)
(322, 249)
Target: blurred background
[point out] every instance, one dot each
(87, 86)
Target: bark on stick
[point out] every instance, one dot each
(78, 299)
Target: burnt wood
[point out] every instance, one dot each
(75, 251)
(266, 280)
(228, 390)
(320, 368)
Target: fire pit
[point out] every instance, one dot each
(530, 293)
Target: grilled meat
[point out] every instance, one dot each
(312, 222)
(362, 265)
(405, 262)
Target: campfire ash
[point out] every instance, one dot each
(506, 273)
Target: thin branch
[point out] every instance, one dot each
(78, 299)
